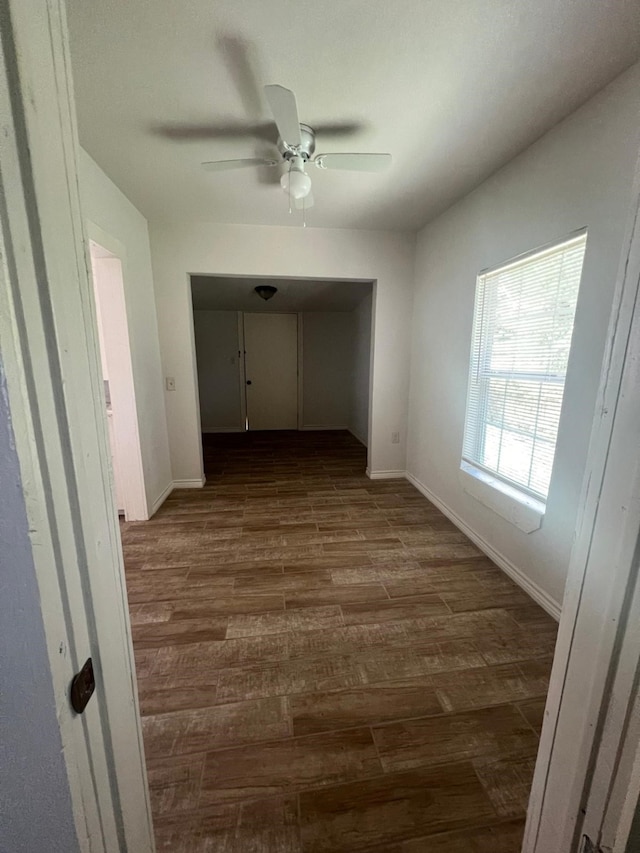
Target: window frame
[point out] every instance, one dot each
(479, 480)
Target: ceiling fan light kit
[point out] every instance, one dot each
(296, 146)
(296, 183)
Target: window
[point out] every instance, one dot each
(522, 329)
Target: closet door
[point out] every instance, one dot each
(271, 370)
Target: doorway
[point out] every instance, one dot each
(101, 618)
(119, 392)
(298, 361)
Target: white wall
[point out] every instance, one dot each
(359, 418)
(216, 341)
(335, 368)
(578, 175)
(327, 368)
(180, 249)
(116, 224)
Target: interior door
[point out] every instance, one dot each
(271, 370)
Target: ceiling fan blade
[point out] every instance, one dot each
(285, 112)
(226, 165)
(353, 162)
(304, 203)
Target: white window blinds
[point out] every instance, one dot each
(522, 330)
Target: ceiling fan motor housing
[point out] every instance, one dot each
(306, 147)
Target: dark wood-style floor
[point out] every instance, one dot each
(325, 663)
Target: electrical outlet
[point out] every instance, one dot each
(170, 383)
(395, 438)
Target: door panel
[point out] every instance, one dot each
(271, 370)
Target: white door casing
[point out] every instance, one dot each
(50, 355)
(115, 465)
(271, 366)
(241, 372)
(115, 351)
(51, 361)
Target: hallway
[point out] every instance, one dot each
(325, 663)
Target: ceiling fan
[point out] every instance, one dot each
(296, 146)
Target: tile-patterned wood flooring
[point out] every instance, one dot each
(325, 663)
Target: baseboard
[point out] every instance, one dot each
(385, 475)
(312, 428)
(209, 430)
(164, 494)
(363, 441)
(530, 587)
(189, 484)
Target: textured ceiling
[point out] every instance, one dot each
(219, 293)
(452, 88)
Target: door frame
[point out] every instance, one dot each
(300, 357)
(126, 426)
(241, 367)
(47, 327)
(587, 777)
(242, 373)
(51, 362)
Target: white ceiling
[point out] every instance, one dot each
(221, 293)
(452, 88)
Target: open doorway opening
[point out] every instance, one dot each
(300, 360)
(119, 391)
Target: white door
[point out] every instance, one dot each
(271, 370)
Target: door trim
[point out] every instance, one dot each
(300, 357)
(242, 374)
(131, 464)
(50, 354)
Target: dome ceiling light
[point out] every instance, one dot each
(266, 291)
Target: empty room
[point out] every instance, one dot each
(319, 426)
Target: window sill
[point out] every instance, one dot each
(520, 509)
